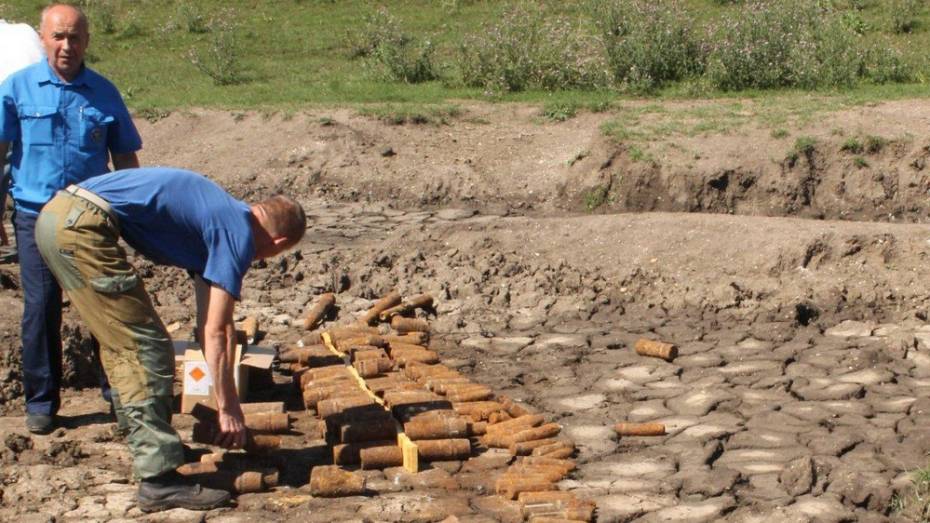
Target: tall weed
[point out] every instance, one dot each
(219, 58)
(647, 43)
(399, 56)
(530, 49)
(790, 43)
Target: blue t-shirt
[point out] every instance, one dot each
(61, 133)
(177, 217)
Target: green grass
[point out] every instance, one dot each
(295, 54)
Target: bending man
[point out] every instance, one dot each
(173, 217)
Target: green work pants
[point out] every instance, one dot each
(79, 241)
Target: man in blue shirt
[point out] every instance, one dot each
(173, 217)
(62, 123)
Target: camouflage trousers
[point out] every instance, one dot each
(77, 235)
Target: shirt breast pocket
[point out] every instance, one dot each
(94, 124)
(37, 123)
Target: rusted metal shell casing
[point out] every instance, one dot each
(551, 497)
(242, 461)
(406, 356)
(420, 301)
(542, 432)
(369, 368)
(312, 356)
(469, 393)
(640, 429)
(385, 302)
(319, 311)
(205, 432)
(349, 453)
(314, 395)
(510, 487)
(443, 449)
(406, 397)
(656, 349)
(411, 338)
(440, 384)
(513, 408)
(368, 353)
(265, 407)
(376, 458)
(499, 417)
(437, 427)
(353, 331)
(565, 464)
(550, 472)
(558, 445)
(525, 448)
(333, 406)
(477, 410)
(405, 325)
(249, 327)
(415, 371)
(268, 423)
(330, 481)
(368, 429)
(366, 340)
(307, 380)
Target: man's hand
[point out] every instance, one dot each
(232, 433)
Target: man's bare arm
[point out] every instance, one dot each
(217, 334)
(124, 161)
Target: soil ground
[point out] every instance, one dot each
(794, 288)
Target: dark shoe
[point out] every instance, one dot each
(171, 490)
(40, 423)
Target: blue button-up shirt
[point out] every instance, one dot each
(61, 132)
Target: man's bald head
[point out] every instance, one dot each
(65, 36)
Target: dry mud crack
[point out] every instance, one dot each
(799, 393)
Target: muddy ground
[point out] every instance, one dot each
(794, 287)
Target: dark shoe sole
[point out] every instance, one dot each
(168, 504)
(40, 429)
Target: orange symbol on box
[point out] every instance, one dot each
(197, 374)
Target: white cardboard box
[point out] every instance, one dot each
(197, 384)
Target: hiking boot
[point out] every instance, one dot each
(40, 423)
(172, 490)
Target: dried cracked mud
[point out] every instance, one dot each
(799, 393)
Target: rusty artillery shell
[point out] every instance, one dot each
(373, 458)
(470, 393)
(552, 496)
(349, 453)
(312, 356)
(407, 397)
(381, 385)
(550, 472)
(365, 340)
(525, 448)
(307, 379)
(439, 384)
(264, 407)
(332, 406)
(444, 449)
(656, 349)
(242, 461)
(405, 325)
(557, 445)
(477, 410)
(368, 354)
(319, 311)
(640, 429)
(369, 368)
(249, 327)
(330, 481)
(560, 453)
(420, 301)
(238, 482)
(516, 424)
(408, 411)
(511, 487)
(313, 396)
(353, 331)
(268, 423)
(205, 432)
(499, 417)
(565, 464)
(477, 428)
(541, 432)
(411, 338)
(386, 302)
(404, 346)
(405, 356)
(415, 371)
(368, 429)
(436, 427)
(513, 408)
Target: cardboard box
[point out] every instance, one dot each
(198, 385)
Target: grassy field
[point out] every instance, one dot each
(290, 54)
